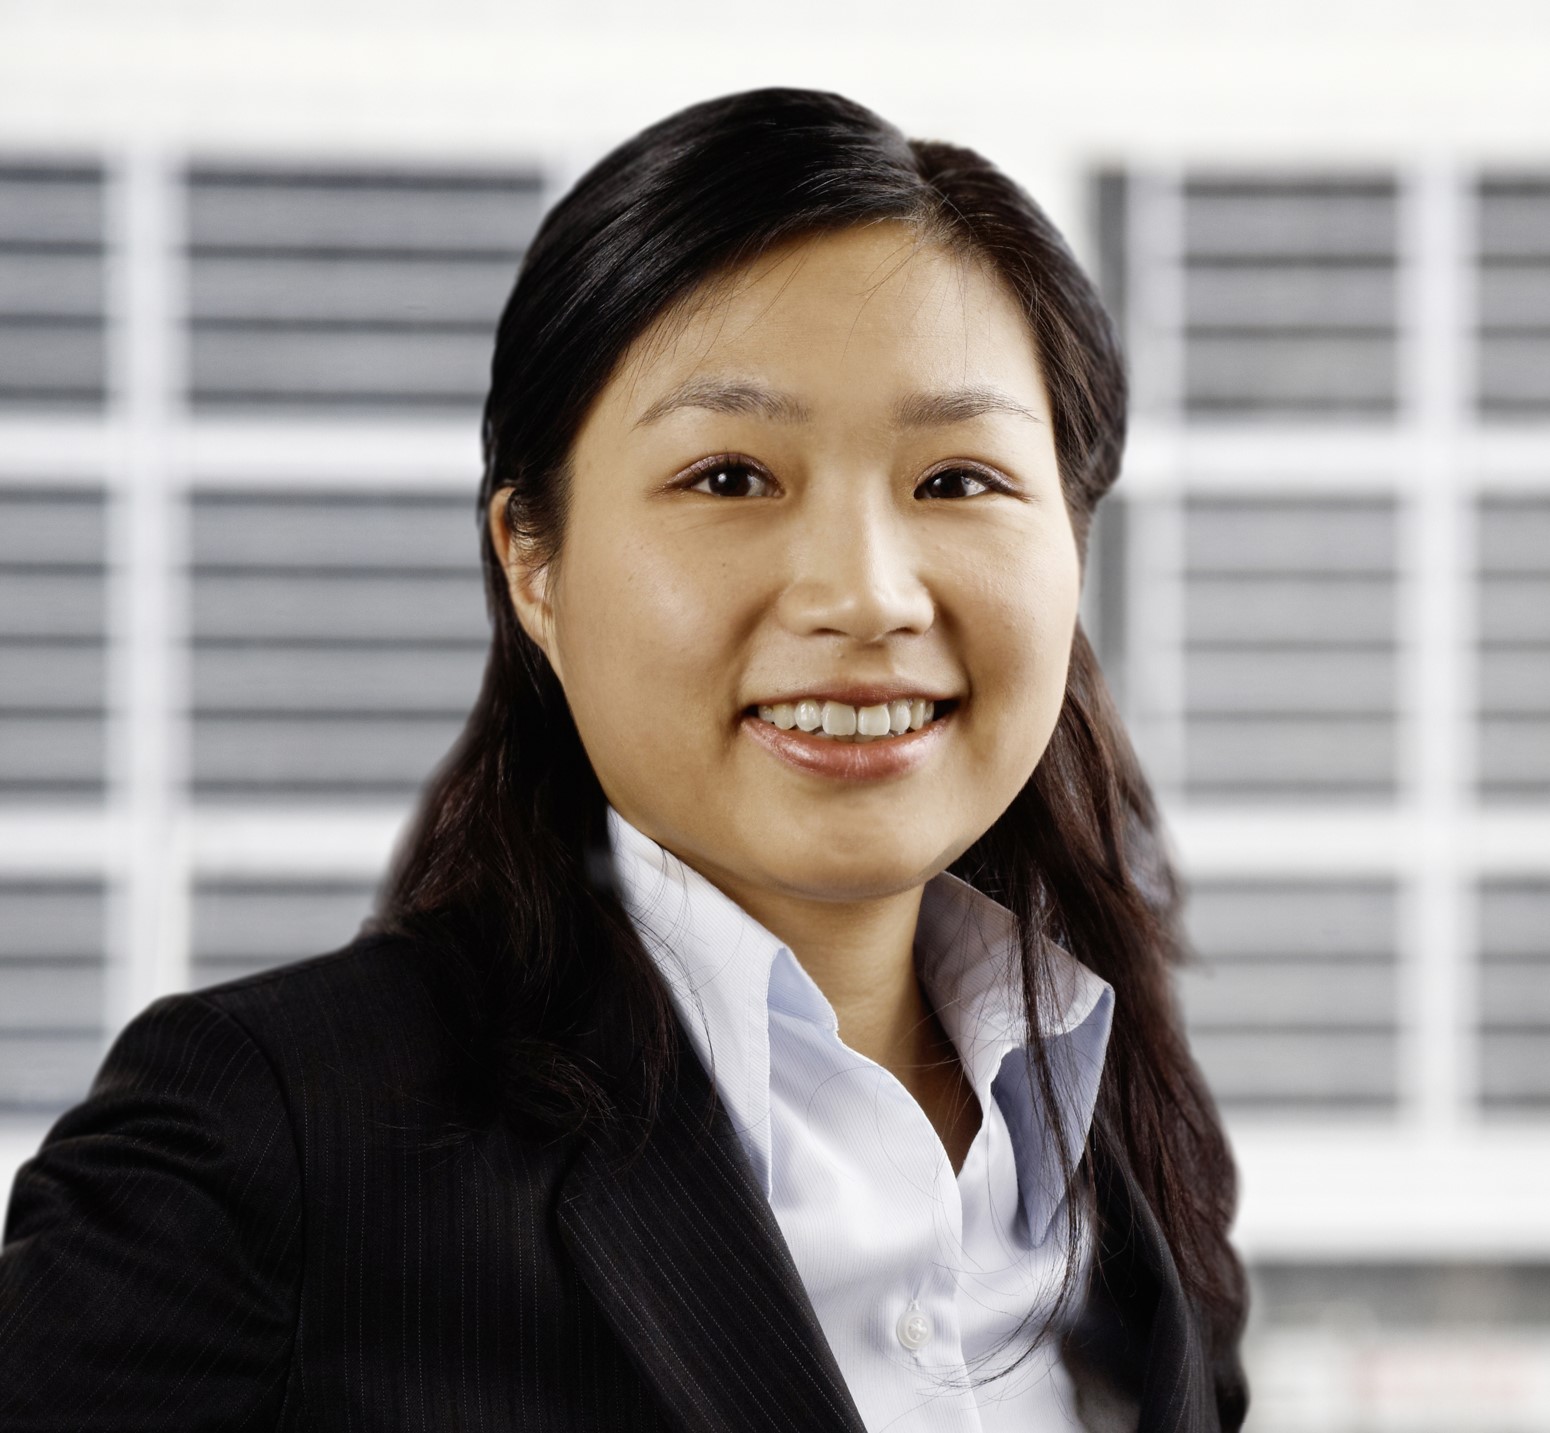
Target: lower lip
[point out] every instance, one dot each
(848, 760)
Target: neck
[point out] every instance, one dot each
(861, 955)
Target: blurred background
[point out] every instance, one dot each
(250, 261)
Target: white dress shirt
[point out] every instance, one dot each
(920, 1278)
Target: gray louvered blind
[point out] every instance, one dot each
(52, 327)
(241, 927)
(52, 654)
(350, 289)
(1514, 623)
(1294, 1007)
(1513, 380)
(1515, 995)
(1290, 663)
(51, 991)
(1290, 297)
(338, 641)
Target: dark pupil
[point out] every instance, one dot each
(731, 480)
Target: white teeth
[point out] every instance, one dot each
(839, 719)
(873, 721)
(843, 722)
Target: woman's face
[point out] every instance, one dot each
(833, 479)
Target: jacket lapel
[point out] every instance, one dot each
(680, 1249)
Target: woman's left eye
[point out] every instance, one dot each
(956, 483)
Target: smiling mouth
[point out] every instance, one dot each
(860, 726)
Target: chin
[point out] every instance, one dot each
(856, 875)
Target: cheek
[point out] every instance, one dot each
(641, 626)
(1024, 618)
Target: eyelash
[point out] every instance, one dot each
(708, 466)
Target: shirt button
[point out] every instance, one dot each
(913, 1328)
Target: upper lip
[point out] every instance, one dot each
(859, 694)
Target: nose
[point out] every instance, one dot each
(855, 572)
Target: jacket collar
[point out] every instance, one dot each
(678, 1245)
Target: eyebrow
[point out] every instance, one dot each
(914, 410)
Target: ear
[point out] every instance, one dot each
(527, 580)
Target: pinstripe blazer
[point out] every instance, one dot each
(274, 1212)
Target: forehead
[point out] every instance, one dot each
(875, 309)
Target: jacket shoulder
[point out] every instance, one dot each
(375, 999)
(154, 1242)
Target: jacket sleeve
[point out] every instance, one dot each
(152, 1260)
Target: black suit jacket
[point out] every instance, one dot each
(274, 1212)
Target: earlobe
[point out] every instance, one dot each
(527, 581)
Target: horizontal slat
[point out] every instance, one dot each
(373, 754)
(51, 361)
(50, 604)
(1515, 609)
(60, 750)
(277, 679)
(47, 1072)
(55, 996)
(1515, 918)
(1278, 373)
(40, 526)
(1515, 296)
(261, 924)
(1514, 221)
(1515, 681)
(1328, 994)
(409, 608)
(1279, 1069)
(1290, 296)
(350, 288)
(403, 532)
(350, 211)
(1515, 994)
(1302, 223)
(38, 677)
(1515, 754)
(56, 920)
(1291, 609)
(1281, 755)
(51, 285)
(1513, 535)
(1276, 920)
(1259, 682)
(342, 367)
(44, 208)
(1515, 1069)
(1227, 536)
(1515, 371)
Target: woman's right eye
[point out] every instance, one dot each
(728, 478)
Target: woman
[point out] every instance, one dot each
(768, 1022)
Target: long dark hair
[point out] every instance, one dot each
(502, 872)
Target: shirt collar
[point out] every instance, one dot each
(724, 971)
(716, 961)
